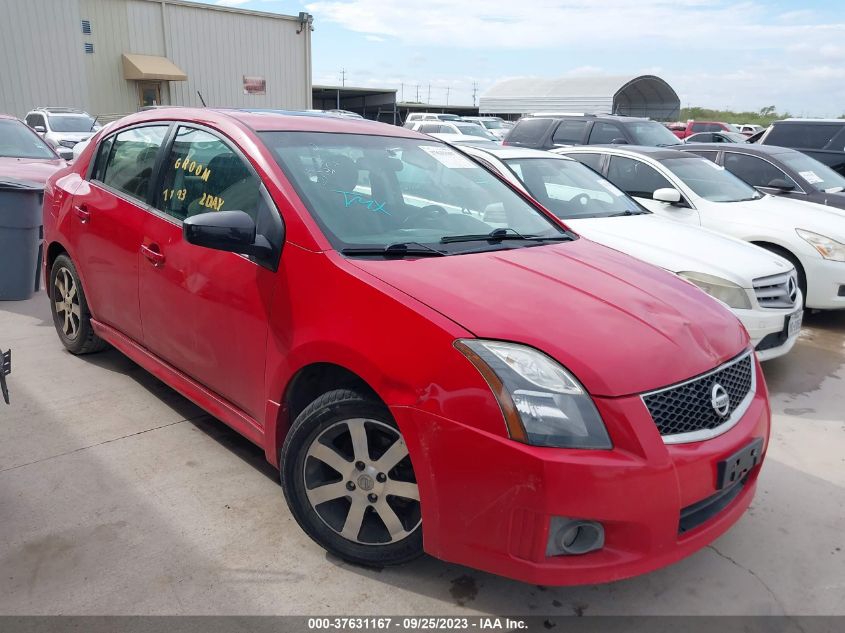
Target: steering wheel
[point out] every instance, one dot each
(582, 198)
(428, 212)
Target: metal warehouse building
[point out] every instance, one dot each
(632, 95)
(111, 57)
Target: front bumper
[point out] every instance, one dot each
(767, 329)
(487, 501)
(825, 284)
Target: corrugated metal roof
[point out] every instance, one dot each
(634, 95)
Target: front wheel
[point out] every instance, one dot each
(349, 482)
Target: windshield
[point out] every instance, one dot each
(448, 117)
(493, 124)
(382, 190)
(71, 123)
(709, 180)
(570, 190)
(817, 174)
(18, 141)
(471, 129)
(651, 133)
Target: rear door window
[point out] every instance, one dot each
(570, 133)
(593, 161)
(755, 171)
(202, 173)
(128, 167)
(635, 178)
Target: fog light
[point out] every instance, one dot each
(573, 536)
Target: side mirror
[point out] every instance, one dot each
(232, 231)
(40, 129)
(619, 141)
(667, 195)
(781, 184)
(64, 152)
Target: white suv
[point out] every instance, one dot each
(62, 127)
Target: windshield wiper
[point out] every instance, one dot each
(626, 212)
(497, 235)
(399, 249)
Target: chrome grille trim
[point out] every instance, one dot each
(729, 423)
(773, 291)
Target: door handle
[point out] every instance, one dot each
(152, 253)
(82, 212)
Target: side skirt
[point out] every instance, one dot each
(188, 387)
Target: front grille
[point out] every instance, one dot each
(686, 412)
(776, 291)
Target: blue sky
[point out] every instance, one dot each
(715, 53)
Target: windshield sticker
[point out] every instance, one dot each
(447, 157)
(811, 177)
(352, 197)
(611, 187)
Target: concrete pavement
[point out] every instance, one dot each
(118, 496)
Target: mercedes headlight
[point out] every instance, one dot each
(727, 292)
(543, 404)
(826, 246)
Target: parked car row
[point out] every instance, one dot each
(409, 334)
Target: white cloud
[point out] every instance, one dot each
(374, 38)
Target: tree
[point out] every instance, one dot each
(768, 111)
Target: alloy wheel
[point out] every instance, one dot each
(359, 480)
(66, 301)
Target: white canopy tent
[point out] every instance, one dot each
(629, 95)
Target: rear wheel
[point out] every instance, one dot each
(349, 482)
(70, 309)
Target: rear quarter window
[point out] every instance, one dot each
(529, 131)
(807, 135)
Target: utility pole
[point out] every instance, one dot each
(429, 94)
(418, 93)
(448, 88)
(474, 92)
(402, 92)
(343, 77)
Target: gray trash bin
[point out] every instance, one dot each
(20, 238)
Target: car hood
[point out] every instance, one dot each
(72, 136)
(679, 247)
(31, 169)
(786, 212)
(620, 325)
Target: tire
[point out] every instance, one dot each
(799, 269)
(71, 315)
(364, 507)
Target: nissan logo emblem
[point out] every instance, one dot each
(720, 400)
(792, 287)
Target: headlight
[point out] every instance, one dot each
(827, 247)
(725, 291)
(69, 144)
(543, 404)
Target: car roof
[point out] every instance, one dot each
(273, 120)
(574, 115)
(745, 148)
(657, 153)
(840, 121)
(504, 153)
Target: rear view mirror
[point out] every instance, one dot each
(668, 195)
(782, 184)
(232, 231)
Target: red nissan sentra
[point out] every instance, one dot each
(433, 361)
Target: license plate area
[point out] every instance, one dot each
(793, 323)
(737, 466)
